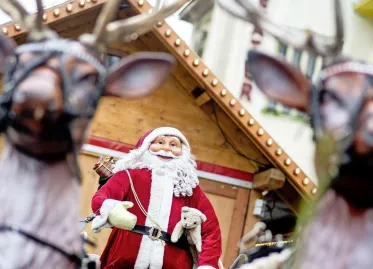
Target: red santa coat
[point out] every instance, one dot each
(126, 249)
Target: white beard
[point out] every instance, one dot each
(181, 169)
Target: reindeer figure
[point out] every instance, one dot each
(51, 90)
(340, 234)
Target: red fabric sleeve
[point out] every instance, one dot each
(115, 188)
(211, 235)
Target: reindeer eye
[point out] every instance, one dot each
(88, 77)
(323, 96)
(195, 222)
(184, 218)
(327, 96)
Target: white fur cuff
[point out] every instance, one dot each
(205, 267)
(101, 221)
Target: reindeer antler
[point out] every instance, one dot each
(39, 16)
(298, 38)
(16, 11)
(141, 24)
(106, 16)
(32, 22)
(106, 32)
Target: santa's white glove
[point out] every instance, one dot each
(119, 216)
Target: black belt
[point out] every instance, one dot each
(155, 234)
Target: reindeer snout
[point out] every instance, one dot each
(38, 95)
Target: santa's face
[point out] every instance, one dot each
(171, 158)
(166, 148)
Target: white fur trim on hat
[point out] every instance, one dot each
(163, 131)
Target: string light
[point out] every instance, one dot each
(269, 244)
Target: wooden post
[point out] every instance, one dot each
(237, 225)
(251, 220)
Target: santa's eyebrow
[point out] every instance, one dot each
(174, 137)
(170, 136)
(176, 140)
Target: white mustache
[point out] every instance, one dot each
(163, 153)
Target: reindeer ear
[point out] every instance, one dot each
(203, 217)
(279, 80)
(7, 45)
(139, 74)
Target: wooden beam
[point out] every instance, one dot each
(271, 179)
(202, 99)
(221, 189)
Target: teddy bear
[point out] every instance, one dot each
(190, 225)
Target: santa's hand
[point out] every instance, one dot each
(119, 216)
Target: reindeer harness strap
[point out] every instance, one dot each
(71, 256)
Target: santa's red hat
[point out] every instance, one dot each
(150, 136)
(144, 143)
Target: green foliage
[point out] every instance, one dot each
(276, 113)
(327, 150)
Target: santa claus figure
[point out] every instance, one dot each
(142, 203)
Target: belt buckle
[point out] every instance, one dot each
(155, 233)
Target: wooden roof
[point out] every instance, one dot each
(74, 17)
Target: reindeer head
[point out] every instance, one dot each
(52, 85)
(340, 104)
